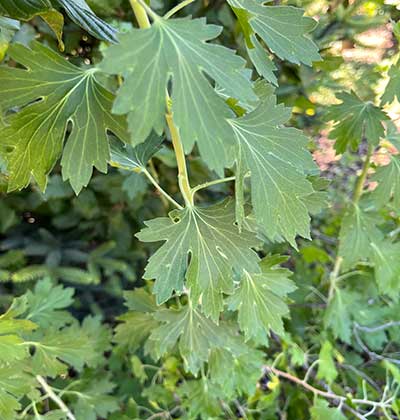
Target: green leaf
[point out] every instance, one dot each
(277, 158)
(13, 385)
(388, 178)
(83, 16)
(322, 411)
(355, 120)
(262, 62)
(77, 10)
(338, 315)
(57, 349)
(177, 49)
(202, 399)
(134, 329)
(134, 159)
(326, 366)
(45, 302)
(58, 93)
(357, 231)
(386, 259)
(284, 30)
(392, 89)
(259, 300)
(235, 374)
(196, 334)
(215, 246)
(93, 399)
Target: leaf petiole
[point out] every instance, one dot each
(176, 9)
(160, 189)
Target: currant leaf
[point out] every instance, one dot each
(278, 160)
(284, 30)
(259, 300)
(196, 335)
(50, 94)
(392, 88)
(216, 248)
(177, 49)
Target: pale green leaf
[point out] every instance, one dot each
(58, 93)
(177, 49)
(215, 247)
(277, 158)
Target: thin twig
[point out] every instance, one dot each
(325, 394)
(49, 391)
(379, 327)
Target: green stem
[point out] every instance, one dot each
(52, 395)
(358, 190)
(161, 190)
(183, 177)
(140, 14)
(141, 11)
(211, 183)
(176, 9)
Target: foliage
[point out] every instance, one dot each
(172, 246)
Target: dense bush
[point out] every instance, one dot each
(199, 212)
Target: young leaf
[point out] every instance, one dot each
(259, 300)
(177, 49)
(355, 120)
(53, 93)
(277, 158)
(284, 30)
(215, 246)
